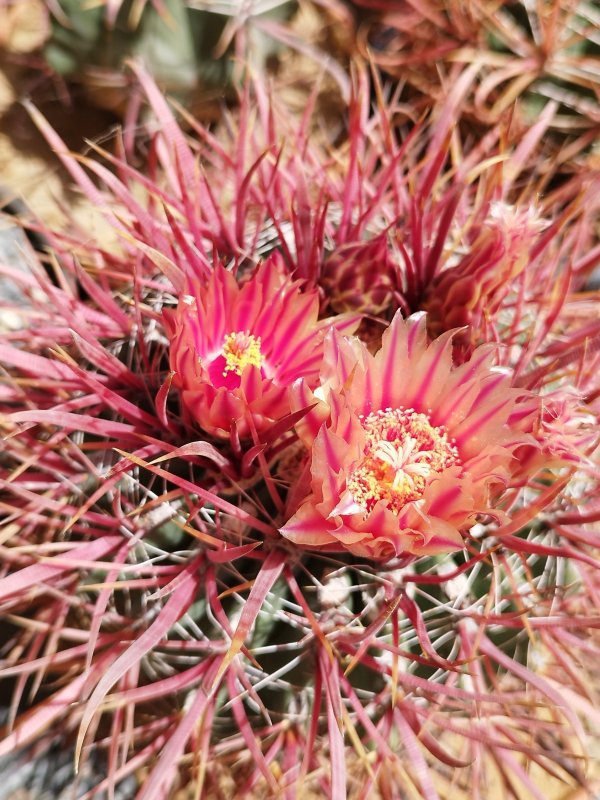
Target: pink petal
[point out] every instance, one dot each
(307, 528)
(347, 505)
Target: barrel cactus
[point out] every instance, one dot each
(261, 538)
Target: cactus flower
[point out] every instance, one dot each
(408, 451)
(472, 290)
(236, 349)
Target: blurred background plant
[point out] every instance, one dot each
(192, 48)
(529, 54)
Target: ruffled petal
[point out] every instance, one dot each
(308, 528)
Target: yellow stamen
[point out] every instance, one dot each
(240, 349)
(403, 449)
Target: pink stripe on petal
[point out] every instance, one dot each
(373, 394)
(215, 327)
(482, 358)
(443, 502)
(333, 448)
(392, 364)
(478, 421)
(433, 367)
(308, 528)
(291, 355)
(416, 341)
(445, 539)
(308, 369)
(345, 324)
(455, 406)
(489, 387)
(247, 311)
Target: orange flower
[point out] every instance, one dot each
(407, 450)
(235, 350)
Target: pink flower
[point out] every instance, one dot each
(235, 350)
(408, 451)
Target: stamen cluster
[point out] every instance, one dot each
(241, 349)
(402, 450)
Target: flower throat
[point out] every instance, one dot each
(403, 449)
(239, 350)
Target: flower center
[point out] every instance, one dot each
(403, 449)
(240, 349)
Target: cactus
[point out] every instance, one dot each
(164, 606)
(187, 46)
